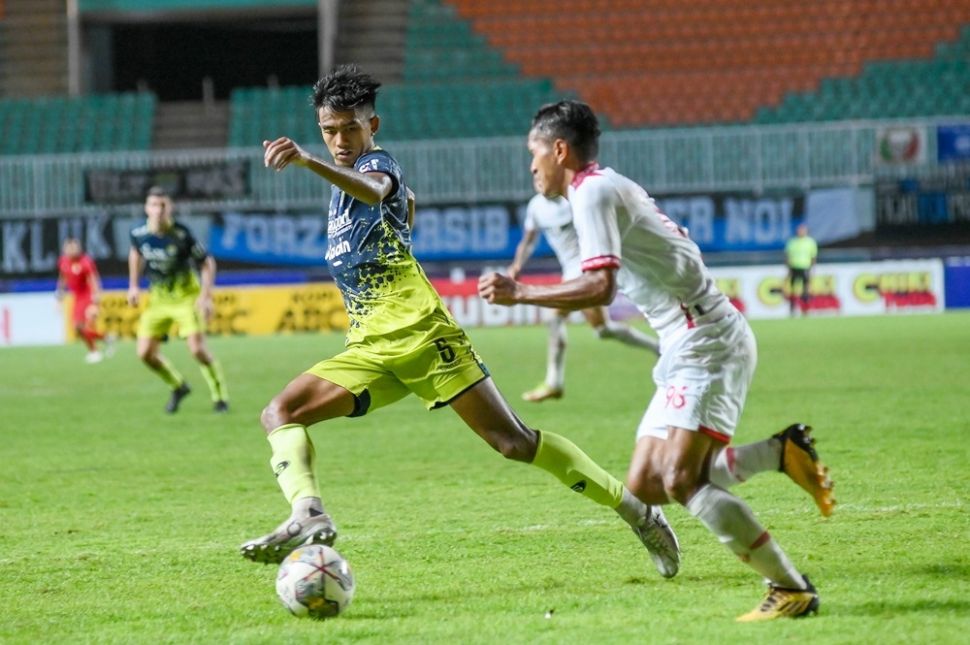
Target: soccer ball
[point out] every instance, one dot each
(315, 581)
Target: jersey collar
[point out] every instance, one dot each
(586, 171)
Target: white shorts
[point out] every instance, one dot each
(702, 379)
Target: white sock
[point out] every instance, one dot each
(730, 519)
(556, 353)
(627, 335)
(307, 506)
(735, 465)
(631, 509)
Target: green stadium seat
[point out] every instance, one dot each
(61, 124)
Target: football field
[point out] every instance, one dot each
(120, 524)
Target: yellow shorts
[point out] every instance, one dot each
(434, 360)
(156, 321)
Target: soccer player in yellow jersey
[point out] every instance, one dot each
(168, 251)
(401, 340)
(801, 252)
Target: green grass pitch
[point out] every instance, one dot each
(119, 524)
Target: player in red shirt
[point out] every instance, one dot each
(78, 274)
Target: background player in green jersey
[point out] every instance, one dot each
(401, 340)
(169, 253)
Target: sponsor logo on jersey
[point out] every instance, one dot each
(338, 249)
(338, 224)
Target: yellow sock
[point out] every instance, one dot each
(214, 378)
(292, 462)
(168, 373)
(573, 467)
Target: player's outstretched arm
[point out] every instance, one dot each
(207, 274)
(94, 282)
(592, 289)
(370, 188)
(411, 202)
(59, 289)
(134, 268)
(523, 252)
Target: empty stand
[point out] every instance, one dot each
(664, 62)
(87, 124)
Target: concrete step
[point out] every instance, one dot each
(191, 124)
(16, 8)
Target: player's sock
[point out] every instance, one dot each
(627, 335)
(730, 519)
(573, 467)
(215, 379)
(292, 463)
(556, 353)
(167, 372)
(88, 340)
(735, 465)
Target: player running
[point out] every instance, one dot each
(401, 340)
(707, 353)
(77, 273)
(168, 251)
(553, 218)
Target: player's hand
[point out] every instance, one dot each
(498, 289)
(513, 271)
(133, 296)
(282, 152)
(205, 307)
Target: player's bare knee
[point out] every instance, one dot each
(274, 415)
(519, 444)
(679, 484)
(637, 481)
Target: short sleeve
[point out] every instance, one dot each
(196, 248)
(594, 215)
(379, 161)
(529, 224)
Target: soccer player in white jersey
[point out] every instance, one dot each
(553, 219)
(707, 353)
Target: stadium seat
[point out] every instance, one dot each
(84, 124)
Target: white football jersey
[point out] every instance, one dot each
(659, 268)
(554, 218)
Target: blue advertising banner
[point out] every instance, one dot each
(300, 239)
(736, 222)
(275, 239)
(481, 232)
(953, 142)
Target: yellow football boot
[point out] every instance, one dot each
(784, 603)
(800, 462)
(542, 393)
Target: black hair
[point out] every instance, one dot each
(157, 191)
(345, 88)
(572, 121)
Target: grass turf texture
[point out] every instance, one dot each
(119, 523)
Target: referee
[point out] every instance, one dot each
(801, 252)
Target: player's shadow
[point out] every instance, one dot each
(939, 573)
(876, 608)
(959, 571)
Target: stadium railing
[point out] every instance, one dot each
(666, 161)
